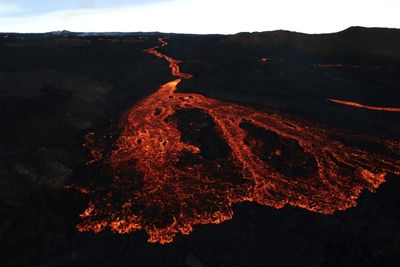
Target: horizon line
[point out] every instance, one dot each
(185, 33)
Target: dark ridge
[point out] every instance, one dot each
(354, 42)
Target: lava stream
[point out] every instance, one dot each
(274, 160)
(358, 105)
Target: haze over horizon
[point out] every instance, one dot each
(195, 16)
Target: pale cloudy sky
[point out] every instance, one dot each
(196, 16)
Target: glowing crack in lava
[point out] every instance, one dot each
(165, 183)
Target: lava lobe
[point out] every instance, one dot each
(167, 176)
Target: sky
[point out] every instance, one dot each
(196, 16)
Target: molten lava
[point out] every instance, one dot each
(265, 59)
(358, 105)
(164, 184)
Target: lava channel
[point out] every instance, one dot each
(164, 183)
(358, 105)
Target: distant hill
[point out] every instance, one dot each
(354, 41)
(357, 42)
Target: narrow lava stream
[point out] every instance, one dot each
(152, 191)
(358, 105)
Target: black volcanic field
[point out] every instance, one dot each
(55, 88)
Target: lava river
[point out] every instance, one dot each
(164, 183)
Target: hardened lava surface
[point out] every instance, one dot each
(182, 159)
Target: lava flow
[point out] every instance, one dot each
(358, 105)
(165, 180)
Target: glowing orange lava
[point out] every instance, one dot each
(275, 160)
(265, 59)
(358, 105)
